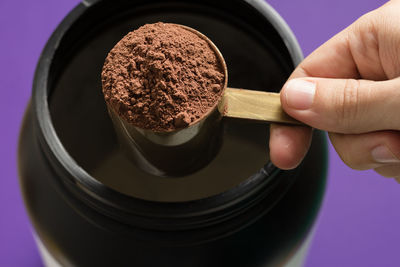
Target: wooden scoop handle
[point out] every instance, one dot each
(254, 105)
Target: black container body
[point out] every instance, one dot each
(260, 222)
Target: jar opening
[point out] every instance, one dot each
(78, 132)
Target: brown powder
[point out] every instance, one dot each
(162, 77)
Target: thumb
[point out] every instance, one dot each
(343, 105)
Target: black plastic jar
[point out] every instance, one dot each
(220, 217)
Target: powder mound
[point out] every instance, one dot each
(162, 77)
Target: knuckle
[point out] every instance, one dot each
(344, 150)
(369, 20)
(363, 37)
(348, 104)
(347, 159)
(382, 172)
(351, 163)
(392, 140)
(390, 171)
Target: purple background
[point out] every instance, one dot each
(360, 218)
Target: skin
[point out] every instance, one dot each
(356, 75)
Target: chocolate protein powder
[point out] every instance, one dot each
(162, 77)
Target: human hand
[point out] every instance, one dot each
(350, 87)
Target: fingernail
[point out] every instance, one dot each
(382, 154)
(299, 94)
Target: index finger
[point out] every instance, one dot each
(289, 144)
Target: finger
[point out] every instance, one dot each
(288, 145)
(352, 53)
(368, 150)
(333, 59)
(343, 105)
(390, 171)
